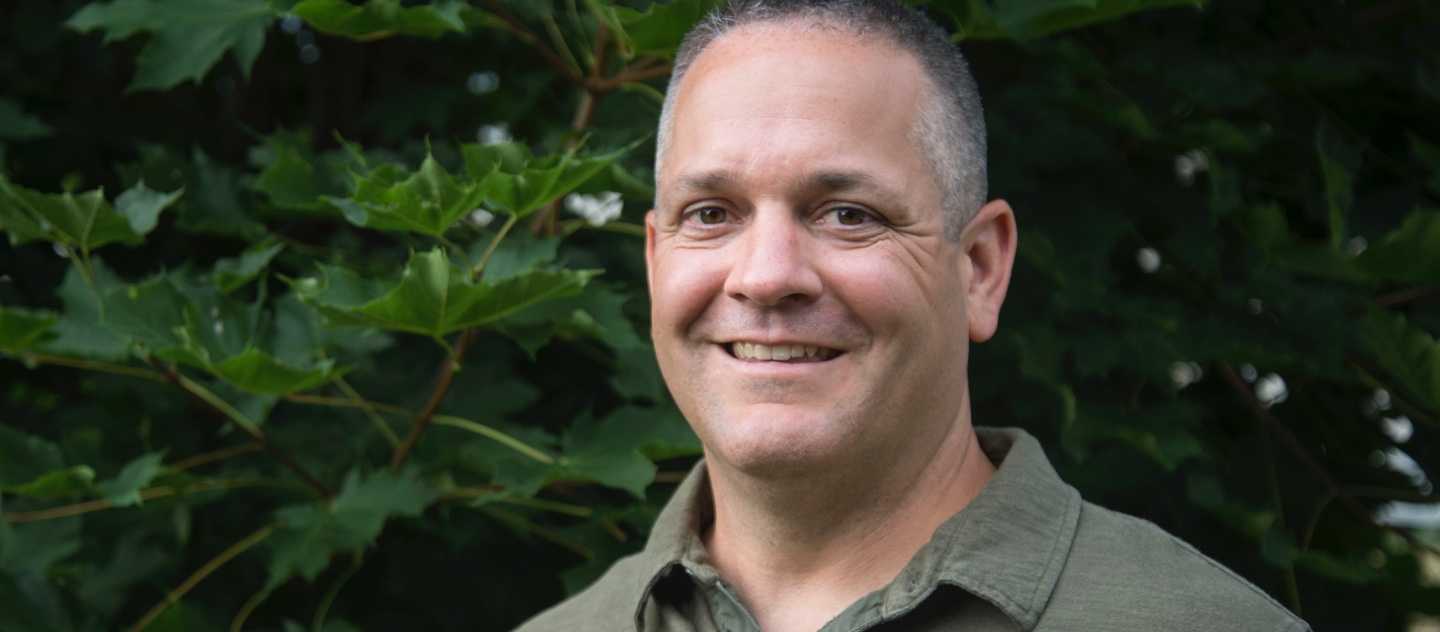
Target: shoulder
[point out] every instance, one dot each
(1122, 568)
(607, 604)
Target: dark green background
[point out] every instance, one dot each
(1308, 247)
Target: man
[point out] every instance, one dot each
(820, 256)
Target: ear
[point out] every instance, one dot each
(650, 253)
(989, 241)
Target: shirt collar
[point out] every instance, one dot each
(1007, 546)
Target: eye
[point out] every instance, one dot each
(712, 215)
(851, 216)
(707, 216)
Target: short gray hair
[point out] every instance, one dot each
(950, 127)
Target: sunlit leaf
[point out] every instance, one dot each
(431, 297)
(85, 221)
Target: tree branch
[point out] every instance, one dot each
(437, 395)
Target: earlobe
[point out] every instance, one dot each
(990, 241)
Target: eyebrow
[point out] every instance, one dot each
(827, 181)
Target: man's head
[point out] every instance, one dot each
(796, 215)
(950, 128)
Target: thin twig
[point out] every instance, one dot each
(340, 402)
(217, 455)
(375, 418)
(93, 365)
(1407, 296)
(525, 35)
(174, 596)
(497, 436)
(152, 493)
(250, 428)
(437, 395)
(248, 608)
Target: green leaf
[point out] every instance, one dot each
(378, 19)
(84, 221)
(1429, 155)
(15, 124)
(81, 330)
(199, 327)
(428, 201)
(1339, 159)
(1410, 253)
(514, 182)
(431, 297)
(1405, 351)
(21, 328)
(311, 533)
(57, 485)
(124, 489)
(259, 372)
(232, 273)
(141, 206)
(659, 29)
(607, 452)
(187, 38)
(24, 458)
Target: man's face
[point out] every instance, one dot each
(807, 309)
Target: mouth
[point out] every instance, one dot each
(789, 353)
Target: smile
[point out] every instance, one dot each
(756, 352)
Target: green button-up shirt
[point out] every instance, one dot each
(1026, 554)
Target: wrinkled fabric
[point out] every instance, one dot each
(1026, 554)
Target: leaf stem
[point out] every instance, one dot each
(495, 435)
(318, 623)
(250, 427)
(248, 608)
(479, 270)
(93, 365)
(375, 418)
(338, 402)
(174, 596)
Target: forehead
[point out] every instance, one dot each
(771, 99)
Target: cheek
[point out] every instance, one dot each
(683, 284)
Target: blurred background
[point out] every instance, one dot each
(221, 409)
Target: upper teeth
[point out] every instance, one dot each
(756, 351)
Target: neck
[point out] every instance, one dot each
(800, 550)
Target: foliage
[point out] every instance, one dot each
(336, 356)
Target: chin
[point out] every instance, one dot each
(774, 440)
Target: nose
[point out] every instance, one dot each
(773, 264)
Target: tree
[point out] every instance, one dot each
(331, 314)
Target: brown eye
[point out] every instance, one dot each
(711, 215)
(851, 216)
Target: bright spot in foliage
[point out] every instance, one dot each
(597, 209)
(1271, 390)
(1148, 259)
